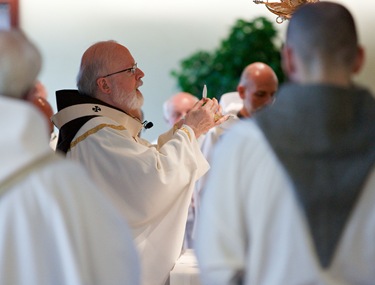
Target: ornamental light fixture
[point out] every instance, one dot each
(283, 9)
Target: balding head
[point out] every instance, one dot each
(257, 87)
(95, 62)
(109, 73)
(20, 64)
(177, 106)
(322, 38)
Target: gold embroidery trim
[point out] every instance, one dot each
(186, 131)
(93, 131)
(175, 129)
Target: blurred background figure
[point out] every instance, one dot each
(40, 90)
(42, 104)
(56, 226)
(176, 107)
(256, 89)
(39, 98)
(231, 103)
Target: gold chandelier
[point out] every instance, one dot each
(285, 8)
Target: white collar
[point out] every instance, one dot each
(71, 113)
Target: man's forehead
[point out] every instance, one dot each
(123, 55)
(183, 103)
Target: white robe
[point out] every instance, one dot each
(56, 226)
(231, 104)
(151, 184)
(207, 145)
(251, 223)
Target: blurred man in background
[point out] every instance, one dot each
(177, 106)
(174, 109)
(256, 89)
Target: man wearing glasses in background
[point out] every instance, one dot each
(151, 184)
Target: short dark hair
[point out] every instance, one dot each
(325, 30)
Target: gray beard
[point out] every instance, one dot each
(131, 103)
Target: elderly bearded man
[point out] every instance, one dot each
(151, 184)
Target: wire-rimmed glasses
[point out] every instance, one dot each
(131, 69)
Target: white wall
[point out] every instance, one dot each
(159, 33)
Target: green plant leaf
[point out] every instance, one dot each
(220, 69)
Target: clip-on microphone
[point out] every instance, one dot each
(147, 125)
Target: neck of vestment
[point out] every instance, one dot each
(324, 136)
(75, 110)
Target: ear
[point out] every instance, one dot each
(359, 60)
(103, 85)
(241, 91)
(288, 60)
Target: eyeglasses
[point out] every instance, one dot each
(131, 69)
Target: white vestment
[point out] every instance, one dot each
(151, 184)
(231, 104)
(252, 226)
(56, 226)
(208, 144)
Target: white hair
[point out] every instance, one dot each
(20, 63)
(94, 63)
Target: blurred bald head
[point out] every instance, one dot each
(257, 86)
(38, 97)
(20, 64)
(176, 107)
(322, 44)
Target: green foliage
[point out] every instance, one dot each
(221, 69)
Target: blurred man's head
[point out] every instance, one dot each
(38, 97)
(40, 90)
(257, 87)
(322, 45)
(20, 64)
(176, 107)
